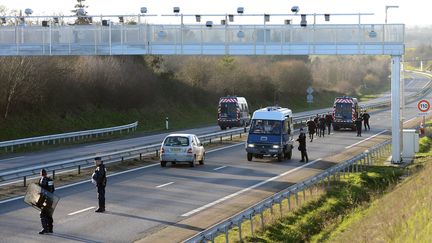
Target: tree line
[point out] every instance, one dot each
(69, 84)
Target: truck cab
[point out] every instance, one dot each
(270, 134)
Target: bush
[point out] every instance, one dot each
(425, 144)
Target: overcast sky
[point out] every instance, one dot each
(413, 12)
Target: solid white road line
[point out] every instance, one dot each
(247, 189)
(352, 145)
(410, 120)
(166, 184)
(219, 168)
(80, 211)
(3, 160)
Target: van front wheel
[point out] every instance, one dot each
(249, 156)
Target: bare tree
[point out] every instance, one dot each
(15, 72)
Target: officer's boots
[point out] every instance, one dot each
(45, 229)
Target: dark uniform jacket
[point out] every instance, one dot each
(45, 202)
(99, 176)
(302, 142)
(328, 119)
(358, 122)
(366, 117)
(47, 184)
(311, 126)
(322, 122)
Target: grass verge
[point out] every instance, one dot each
(315, 221)
(402, 215)
(381, 204)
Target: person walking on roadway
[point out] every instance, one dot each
(366, 117)
(316, 120)
(322, 125)
(311, 128)
(99, 179)
(46, 215)
(329, 121)
(358, 124)
(302, 146)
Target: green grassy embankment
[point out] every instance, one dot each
(151, 119)
(402, 215)
(317, 219)
(382, 204)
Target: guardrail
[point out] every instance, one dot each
(66, 137)
(355, 164)
(111, 157)
(119, 155)
(139, 151)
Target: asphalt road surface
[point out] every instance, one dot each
(142, 202)
(413, 83)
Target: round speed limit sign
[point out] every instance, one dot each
(423, 106)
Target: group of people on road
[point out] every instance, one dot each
(363, 118)
(318, 125)
(98, 178)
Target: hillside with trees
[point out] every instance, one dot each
(44, 95)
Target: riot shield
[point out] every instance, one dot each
(41, 199)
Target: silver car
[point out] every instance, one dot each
(182, 148)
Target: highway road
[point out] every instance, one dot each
(55, 155)
(142, 203)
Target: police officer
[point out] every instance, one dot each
(302, 146)
(366, 117)
(46, 214)
(358, 124)
(311, 128)
(99, 179)
(329, 121)
(322, 125)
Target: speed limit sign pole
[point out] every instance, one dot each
(423, 106)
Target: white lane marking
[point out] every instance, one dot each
(115, 174)
(409, 84)
(166, 184)
(3, 160)
(352, 145)
(227, 147)
(410, 120)
(12, 199)
(219, 168)
(82, 182)
(247, 189)
(80, 211)
(93, 146)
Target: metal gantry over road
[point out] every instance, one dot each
(109, 38)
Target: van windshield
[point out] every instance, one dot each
(269, 127)
(228, 110)
(177, 141)
(343, 111)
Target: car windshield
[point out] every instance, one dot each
(269, 127)
(177, 141)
